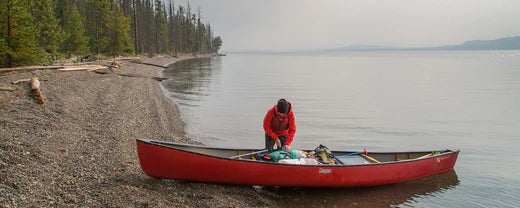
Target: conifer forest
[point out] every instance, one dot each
(42, 31)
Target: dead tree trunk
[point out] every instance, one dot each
(35, 90)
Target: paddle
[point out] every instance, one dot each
(370, 158)
(356, 153)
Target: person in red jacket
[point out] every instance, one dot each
(279, 126)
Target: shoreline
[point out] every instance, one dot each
(173, 102)
(78, 149)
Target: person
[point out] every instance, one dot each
(279, 126)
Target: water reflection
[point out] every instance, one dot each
(378, 196)
(348, 101)
(188, 80)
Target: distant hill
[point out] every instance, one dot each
(510, 43)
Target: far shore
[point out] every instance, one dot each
(78, 148)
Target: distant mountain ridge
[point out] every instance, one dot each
(508, 43)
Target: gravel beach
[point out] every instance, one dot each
(78, 149)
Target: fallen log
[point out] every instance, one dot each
(154, 65)
(21, 80)
(109, 64)
(83, 68)
(29, 68)
(35, 90)
(74, 69)
(6, 89)
(97, 68)
(132, 75)
(150, 64)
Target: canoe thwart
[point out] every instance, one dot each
(247, 154)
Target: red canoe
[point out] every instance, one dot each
(236, 166)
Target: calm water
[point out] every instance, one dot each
(381, 101)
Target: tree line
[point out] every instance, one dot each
(41, 31)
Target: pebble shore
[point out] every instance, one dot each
(78, 149)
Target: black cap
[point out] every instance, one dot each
(283, 106)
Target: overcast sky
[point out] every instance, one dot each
(282, 25)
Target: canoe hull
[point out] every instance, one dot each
(162, 162)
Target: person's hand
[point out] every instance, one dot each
(287, 148)
(278, 143)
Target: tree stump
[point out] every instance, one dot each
(35, 90)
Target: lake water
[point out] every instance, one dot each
(381, 101)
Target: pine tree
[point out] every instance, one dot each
(217, 42)
(134, 26)
(190, 36)
(99, 30)
(17, 34)
(50, 31)
(120, 41)
(161, 28)
(190, 30)
(171, 26)
(126, 7)
(209, 38)
(76, 42)
(149, 28)
(201, 30)
(179, 30)
(62, 11)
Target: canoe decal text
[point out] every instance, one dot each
(323, 170)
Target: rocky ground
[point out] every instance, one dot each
(78, 149)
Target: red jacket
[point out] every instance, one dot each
(276, 125)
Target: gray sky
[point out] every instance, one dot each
(280, 25)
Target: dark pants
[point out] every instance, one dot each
(270, 144)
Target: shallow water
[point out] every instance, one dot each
(381, 101)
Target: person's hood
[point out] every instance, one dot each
(289, 105)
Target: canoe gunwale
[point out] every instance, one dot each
(165, 144)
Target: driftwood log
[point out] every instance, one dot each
(136, 75)
(29, 68)
(139, 62)
(6, 89)
(109, 64)
(83, 68)
(21, 80)
(89, 66)
(35, 90)
(132, 75)
(97, 68)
